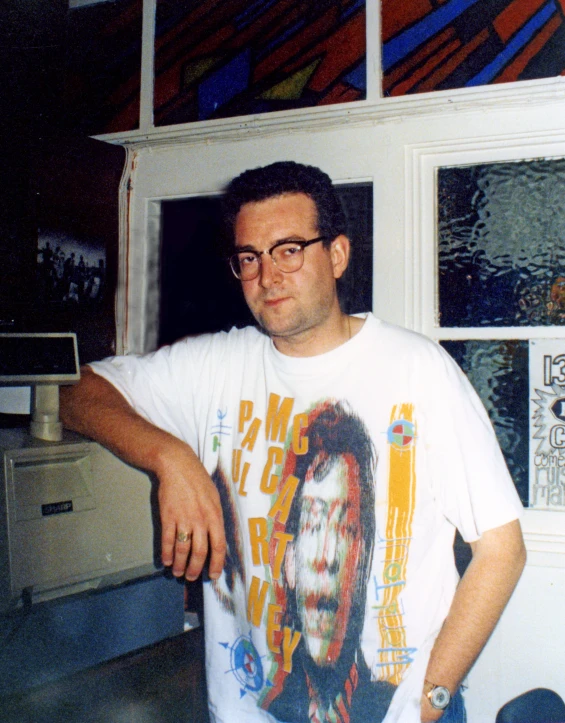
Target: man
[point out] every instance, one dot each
(326, 575)
(439, 464)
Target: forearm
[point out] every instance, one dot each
(96, 409)
(487, 585)
(188, 500)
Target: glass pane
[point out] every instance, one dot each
(463, 43)
(103, 74)
(226, 58)
(501, 244)
(498, 370)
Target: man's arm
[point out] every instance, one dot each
(498, 559)
(188, 499)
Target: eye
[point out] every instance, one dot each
(246, 259)
(289, 250)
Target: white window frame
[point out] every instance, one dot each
(544, 530)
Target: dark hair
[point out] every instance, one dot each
(280, 178)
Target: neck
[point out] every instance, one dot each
(316, 340)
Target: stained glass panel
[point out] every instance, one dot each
(464, 43)
(225, 58)
(501, 244)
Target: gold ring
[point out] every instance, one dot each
(183, 536)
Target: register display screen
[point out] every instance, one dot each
(38, 358)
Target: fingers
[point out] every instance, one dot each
(191, 516)
(198, 555)
(183, 544)
(218, 550)
(186, 552)
(168, 542)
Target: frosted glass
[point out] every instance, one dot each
(501, 244)
(498, 370)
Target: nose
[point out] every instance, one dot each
(269, 274)
(326, 554)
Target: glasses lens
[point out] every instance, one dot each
(288, 257)
(245, 265)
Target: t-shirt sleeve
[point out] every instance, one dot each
(468, 473)
(160, 386)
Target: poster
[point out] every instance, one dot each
(547, 424)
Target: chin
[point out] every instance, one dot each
(274, 329)
(318, 650)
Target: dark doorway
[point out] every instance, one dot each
(200, 294)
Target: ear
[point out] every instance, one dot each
(340, 249)
(290, 565)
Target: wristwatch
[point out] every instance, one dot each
(438, 695)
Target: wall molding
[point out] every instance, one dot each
(384, 110)
(545, 550)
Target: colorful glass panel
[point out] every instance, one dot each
(223, 58)
(463, 43)
(501, 244)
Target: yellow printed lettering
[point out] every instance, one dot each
(278, 417)
(241, 489)
(290, 641)
(283, 538)
(284, 500)
(269, 484)
(258, 538)
(299, 445)
(236, 470)
(251, 436)
(245, 414)
(235, 464)
(273, 611)
(256, 600)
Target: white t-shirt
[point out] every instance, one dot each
(341, 475)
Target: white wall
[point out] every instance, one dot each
(396, 143)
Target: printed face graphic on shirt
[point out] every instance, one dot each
(326, 555)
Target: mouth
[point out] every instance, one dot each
(328, 604)
(272, 303)
(320, 619)
(321, 604)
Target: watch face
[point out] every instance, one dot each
(440, 697)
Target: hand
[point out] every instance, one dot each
(189, 503)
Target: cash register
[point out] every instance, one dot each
(73, 517)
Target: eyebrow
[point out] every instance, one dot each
(250, 247)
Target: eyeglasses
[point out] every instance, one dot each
(288, 256)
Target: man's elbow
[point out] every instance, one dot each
(522, 555)
(503, 546)
(516, 547)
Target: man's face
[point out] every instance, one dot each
(327, 550)
(288, 304)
